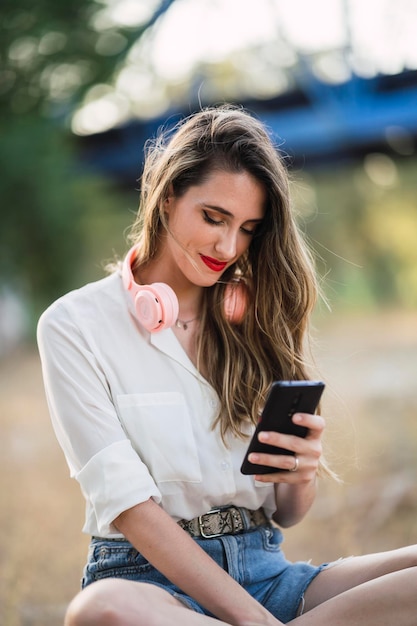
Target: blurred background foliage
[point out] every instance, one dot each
(55, 220)
(364, 233)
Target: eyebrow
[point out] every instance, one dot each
(213, 207)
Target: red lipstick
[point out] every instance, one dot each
(213, 264)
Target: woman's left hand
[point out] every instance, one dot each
(299, 468)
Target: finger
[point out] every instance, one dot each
(285, 476)
(314, 423)
(283, 462)
(279, 440)
(276, 477)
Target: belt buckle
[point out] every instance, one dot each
(201, 524)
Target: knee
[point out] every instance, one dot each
(96, 605)
(412, 551)
(117, 602)
(407, 556)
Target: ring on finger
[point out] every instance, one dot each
(296, 464)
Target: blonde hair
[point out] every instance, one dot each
(240, 360)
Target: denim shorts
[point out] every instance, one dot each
(253, 558)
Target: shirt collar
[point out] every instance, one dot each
(166, 342)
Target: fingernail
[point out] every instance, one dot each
(253, 458)
(263, 436)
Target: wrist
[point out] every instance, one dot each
(266, 620)
(242, 610)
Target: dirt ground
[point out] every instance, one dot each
(370, 366)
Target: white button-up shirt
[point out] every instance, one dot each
(133, 415)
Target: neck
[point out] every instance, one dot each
(184, 324)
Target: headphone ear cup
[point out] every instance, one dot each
(236, 299)
(156, 306)
(169, 304)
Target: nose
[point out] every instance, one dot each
(226, 245)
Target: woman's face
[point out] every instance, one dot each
(211, 225)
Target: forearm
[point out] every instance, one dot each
(293, 501)
(174, 553)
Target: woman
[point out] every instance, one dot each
(154, 392)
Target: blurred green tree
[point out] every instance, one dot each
(51, 53)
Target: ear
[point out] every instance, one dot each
(168, 202)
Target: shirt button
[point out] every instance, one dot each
(213, 403)
(225, 465)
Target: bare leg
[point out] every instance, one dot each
(374, 590)
(115, 602)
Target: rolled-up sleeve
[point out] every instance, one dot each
(113, 483)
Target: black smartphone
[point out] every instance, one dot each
(284, 399)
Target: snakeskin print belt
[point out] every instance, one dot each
(229, 520)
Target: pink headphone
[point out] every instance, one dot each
(156, 305)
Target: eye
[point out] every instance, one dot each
(210, 220)
(249, 231)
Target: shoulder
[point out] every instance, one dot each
(86, 305)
